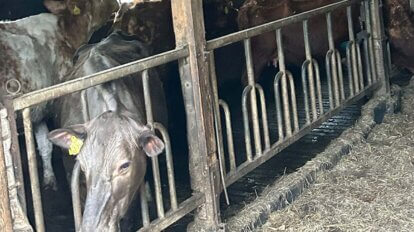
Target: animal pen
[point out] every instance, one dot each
(211, 143)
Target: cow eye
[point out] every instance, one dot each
(124, 167)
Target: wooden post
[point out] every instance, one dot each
(379, 39)
(6, 221)
(189, 30)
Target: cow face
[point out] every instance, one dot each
(112, 154)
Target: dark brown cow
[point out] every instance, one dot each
(399, 22)
(257, 12)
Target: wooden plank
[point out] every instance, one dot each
(189, 29)
(6, 222)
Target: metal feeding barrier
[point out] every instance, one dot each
(367, 72)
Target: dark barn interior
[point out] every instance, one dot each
(220, 19)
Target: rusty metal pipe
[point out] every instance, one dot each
(264, 116)
(229, 132)
(310, 70)
(333, 66)
(247, 138)
(305, 90)
(350, 68)
(318, 85)
(329, 77)
(278, 106)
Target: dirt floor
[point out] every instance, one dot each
(371, 189)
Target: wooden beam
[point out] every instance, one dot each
(189, 30)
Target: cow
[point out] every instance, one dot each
(264, 51)
(399, 23)
(116, 141)
(36, 52)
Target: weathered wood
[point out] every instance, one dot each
(6, 221)
(189, 29)
(378, 35)
(15, 151)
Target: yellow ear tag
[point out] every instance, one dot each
(76, 10)
(75, 145)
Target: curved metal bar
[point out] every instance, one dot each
(293, 100)
(334, 69)
(229, 132)
(278, 105)
(353, 51)
(305, 90)
(367, 61)
(389, 56)
(310, 70)
(370, 40)
(264, 116)
(247, 138)
(318, 85)
(329, 77)
(76, 200)
(349, 65)
(170, 164)
(340, 74)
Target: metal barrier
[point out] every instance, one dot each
(206, 141)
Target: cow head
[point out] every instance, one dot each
(80, 18)
(112, 154)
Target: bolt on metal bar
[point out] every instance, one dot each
(340, 74)
(245, 111)
(170, 163)
(329, 78)
(229, 132)
(282, 68)
(253, 98)
(154, 160)
(33, 172)
(144, 206)
(264, 116)
(355, 72)
(76, 200)
(305, 90)
(310, 70)
(278, 106)
(349, 66)
(334, 64)
(318, 85)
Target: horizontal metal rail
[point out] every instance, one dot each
(85, 82)
(248, 166)
(183, 209)
(271, 26)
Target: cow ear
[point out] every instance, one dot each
(151, 144)
(56, 7)
(65, 137)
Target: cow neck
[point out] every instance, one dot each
(76, 30)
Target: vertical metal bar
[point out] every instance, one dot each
(278, 105)
(34, 178)
(349, 65)
(310, 70)
(85, 107)
(333, 65)
(154, 160)
(285, 93)
(360, 72)
(379, 46)
(389, 58)
(76, 201)
(293, 101)
(6, 220)
(264, 116)
(305, 91)
(144, 206)
(318, 85)
(340, 75)
(367, 61)
(329, 78)
(229, 132)
(371, 55)
(253, 98)
(247, 138)
(353, 49)
(170, 164)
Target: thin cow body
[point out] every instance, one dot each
(36, 52)
(116, 140)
